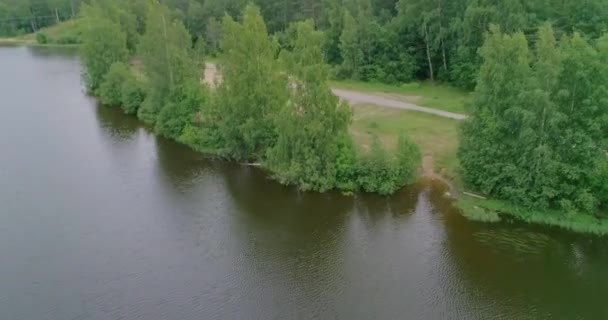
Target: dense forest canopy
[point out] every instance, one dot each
(26, 16)
(380, 40)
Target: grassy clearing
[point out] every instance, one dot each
(425, 94)
(436, 136)
(66, 33)
(11, 41)
(478, 209)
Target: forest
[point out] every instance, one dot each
(27, 16)
(371, 40)
(537, 131)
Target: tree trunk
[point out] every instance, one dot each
(72, 7)
(167, 57)
(57, 15)
(445, 61)
(428, 53)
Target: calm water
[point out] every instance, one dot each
(100, 219)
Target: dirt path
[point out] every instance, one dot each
(429, 173)
(356, 97)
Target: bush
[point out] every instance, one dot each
(42, 38)
(408, 159)
(383, 173)
(179, 112)
(132, 95)
(68, 39)
(346, 165)
(110, 91)
(600, 183)
(377, 171)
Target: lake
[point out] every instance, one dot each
(101, 219)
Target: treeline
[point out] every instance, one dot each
(538, 132)
(371, 40)
(272, 105)
(403, 40)
(19, 17)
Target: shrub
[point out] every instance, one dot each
(180, 110)
(376, 170)
(600, 183)
(42, 38)
(110, 91)
(408, 159)
(132, 95)
(68, 39)
(346, 165)
(383, 173)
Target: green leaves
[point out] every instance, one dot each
(253, 89)
(312, 127)
(536, 135)
(104, 43)
(297, 128)
(384, 173)
(110, 91)
(168, 62)
(120, 88)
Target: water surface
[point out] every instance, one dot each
(100, 219)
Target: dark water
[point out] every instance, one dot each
(100, 219)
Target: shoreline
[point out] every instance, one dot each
(480, 210)
(494, 211)
(33, 43)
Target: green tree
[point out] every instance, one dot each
(110, 91)
(253, 90)
(538, 129)
(352, 55)
(103, 43)
(180, 111)
(118, 12)
(168, 64)
(489, 139)
(408, 159)
(314, 124)
(580, 108)
(132, 95)
(213, 34)
(334, 22)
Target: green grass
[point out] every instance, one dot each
(425, 94)
(436, 136)
(214, 60)
(576, 222)
(471, 210)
